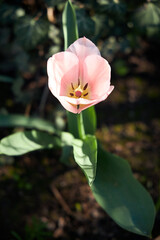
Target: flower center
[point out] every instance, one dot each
(79, 91)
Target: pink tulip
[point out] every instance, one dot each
(79, 77)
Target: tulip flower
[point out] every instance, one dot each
(79, 77)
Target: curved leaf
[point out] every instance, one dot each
(122, 196)
(17, 120)
(22, 142)
(85, 154)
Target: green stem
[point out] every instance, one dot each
(80, 125)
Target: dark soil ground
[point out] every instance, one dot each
(40, 198)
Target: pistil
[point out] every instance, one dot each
(79, 91)
(78, 94)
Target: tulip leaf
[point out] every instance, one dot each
(121, 195)
(70, 28)
(17, 120)
(22, 142)
(85, 154)
(89, 120)
(66, 139)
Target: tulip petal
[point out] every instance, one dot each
(77, 101)
(71, 103)
(97, 73)
(74, 108)
(83, 47)
(63, 69)
(75, 105)
(102, 98)
(69, 107)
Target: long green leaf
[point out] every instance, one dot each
(22, 142)
(6, 79)
(85, 154)
(66, 139)
(17, 120)
(122, 196)
(90, 120)
(70, 29)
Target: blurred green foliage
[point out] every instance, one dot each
(36, 230)
(31, 31)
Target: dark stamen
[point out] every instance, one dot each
(72, 86)
(78, 81)
(85, 86)
(71, 94)
(85, 94)
(77, 106)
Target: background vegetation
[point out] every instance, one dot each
(39, 197)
